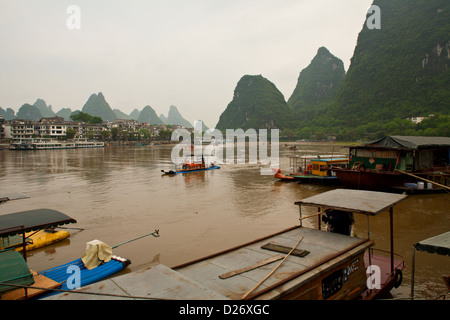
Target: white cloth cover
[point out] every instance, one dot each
(96, 253)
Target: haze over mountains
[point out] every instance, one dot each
(96, 105)
(398, 71)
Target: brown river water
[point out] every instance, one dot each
(118, 193)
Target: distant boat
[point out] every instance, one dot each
(189, 167)
(45, 144)
(89, 144)
(313, 169)
(403, 163)
(41, 144)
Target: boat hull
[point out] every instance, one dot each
(170, 172)
(372, 180)
(34, 240)
(43, 238)
(60, 274)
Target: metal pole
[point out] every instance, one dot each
(318, 217)
(368, 237)
(155, 234)
(24, 246)
(412, 271)
(300, 209)
(391, 221)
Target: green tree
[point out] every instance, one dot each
(70, 133)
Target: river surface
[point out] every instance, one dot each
(118, 193)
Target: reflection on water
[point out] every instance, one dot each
(118, 193)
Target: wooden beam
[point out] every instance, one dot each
(254, 266)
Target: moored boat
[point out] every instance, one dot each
(313, 169)
(438, 244)
(18, 281)
(296, 263)
(88, 144)
(88, 272)
(399, 163)
(34, 240)
(41, 144)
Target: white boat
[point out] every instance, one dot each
(43, 144)
(89, 144)
(37, 144)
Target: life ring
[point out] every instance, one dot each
(398, 278)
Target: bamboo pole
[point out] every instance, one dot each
(154, 233)
(255, 287)
(412, 175)
(313, 215)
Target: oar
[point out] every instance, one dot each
(154, 233)
(412, 175)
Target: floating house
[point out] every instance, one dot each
(398, 162)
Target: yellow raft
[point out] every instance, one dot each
(34, 240)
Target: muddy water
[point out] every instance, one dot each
(118, 193)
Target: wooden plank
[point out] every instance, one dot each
(254, 266)
(284, 249)
(40, 281)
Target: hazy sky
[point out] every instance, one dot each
(187, 53)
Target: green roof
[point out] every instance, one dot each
(409, 142)
(14, 270)
(32, 220)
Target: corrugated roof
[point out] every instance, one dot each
(32, 220)
(439, 244)
(409, 142)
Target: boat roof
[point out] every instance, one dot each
(358, 201)
(439, 244)
(408, 142)
(32, 220)
(14, 270)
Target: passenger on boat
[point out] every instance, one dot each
(339, 221)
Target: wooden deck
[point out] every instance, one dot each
(40, 281)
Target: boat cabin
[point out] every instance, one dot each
(399, 163)
(318, 165)
(406, 153)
